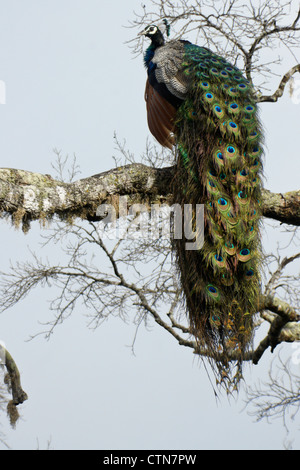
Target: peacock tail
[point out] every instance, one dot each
(199, 102)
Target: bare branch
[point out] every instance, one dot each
(279, 92)
(274, 279)
(285, 314)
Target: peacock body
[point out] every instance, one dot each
(201, 104)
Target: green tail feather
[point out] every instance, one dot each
(219, 164)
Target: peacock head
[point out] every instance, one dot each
(155, 33)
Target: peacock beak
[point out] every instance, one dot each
(142, 33)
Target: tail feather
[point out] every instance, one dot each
(219, 164)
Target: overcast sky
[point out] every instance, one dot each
(71, 82)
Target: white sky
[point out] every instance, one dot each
(70, 83)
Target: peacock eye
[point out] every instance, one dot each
(152, 29)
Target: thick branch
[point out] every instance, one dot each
(284, 326)
(279, 92)
(27, 196)
(282, 207)
(30, 196)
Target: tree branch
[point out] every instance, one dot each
(284, 326)
(27, 196)
(13, 381)
(279, 92)
(18, 394)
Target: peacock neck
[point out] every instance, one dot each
(156, 41)
(149, 54)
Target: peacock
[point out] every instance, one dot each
(203, 107)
